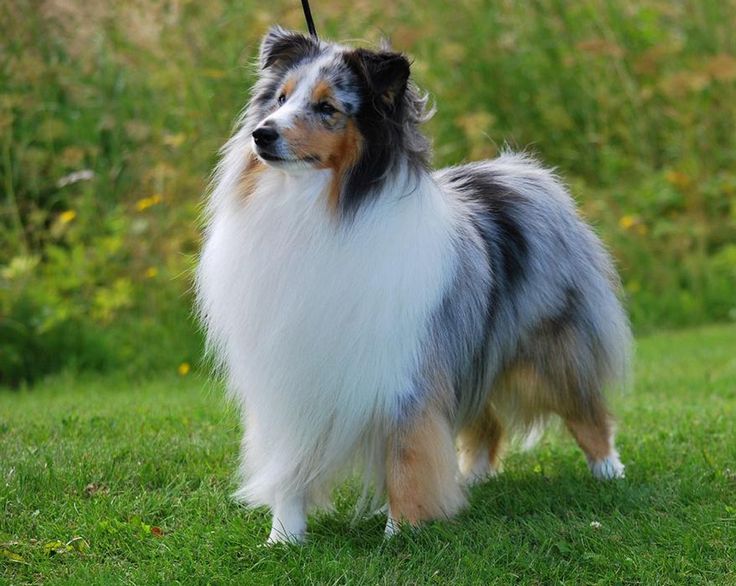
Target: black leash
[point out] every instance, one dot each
(310, 22)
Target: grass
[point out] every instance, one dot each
(633, 101)
(140, 474)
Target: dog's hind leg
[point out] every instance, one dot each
(587, 418)
(480, 446)
(575, 366)
(594, 434)
(421, 472)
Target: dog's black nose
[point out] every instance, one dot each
(265, 135)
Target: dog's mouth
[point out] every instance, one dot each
(274, 158)
(270, 157)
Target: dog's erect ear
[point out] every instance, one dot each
(281, 48)
(386, 72)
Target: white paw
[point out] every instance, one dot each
(392, 528)
(279, 536)
(289, 523)
(607, 468)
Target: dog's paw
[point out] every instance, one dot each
(607, 468)
(392, 528)
(280, 537)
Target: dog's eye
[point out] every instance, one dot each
(282, 99)
(326, 108)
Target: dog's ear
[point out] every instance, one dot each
(281, 48)
(386, 72)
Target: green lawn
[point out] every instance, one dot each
(136, 475)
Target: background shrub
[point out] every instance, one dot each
(111, 115)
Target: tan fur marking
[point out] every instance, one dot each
(531, 396)
(421, 471)
(526, 394)
(322, 91)
(289, 86)
(249, 179)
(485, 433)
(593, 439)
(334, 148)
(343, 159)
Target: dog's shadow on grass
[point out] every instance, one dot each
(516, 498)
(523, 500)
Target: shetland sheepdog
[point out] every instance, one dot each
(366, 310)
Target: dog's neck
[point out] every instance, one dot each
(403, 180)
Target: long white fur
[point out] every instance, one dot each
(320, 326)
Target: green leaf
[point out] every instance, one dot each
(12, 556)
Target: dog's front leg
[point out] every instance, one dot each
(422, 477)
(289, 519)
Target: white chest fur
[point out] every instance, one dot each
(320, 324)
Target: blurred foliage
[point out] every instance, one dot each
(111, 114)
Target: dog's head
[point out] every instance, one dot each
(320, 105)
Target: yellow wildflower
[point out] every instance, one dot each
(184, 369)
(143, 204)
(628, 221)
(67, 216)
(151, 272)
